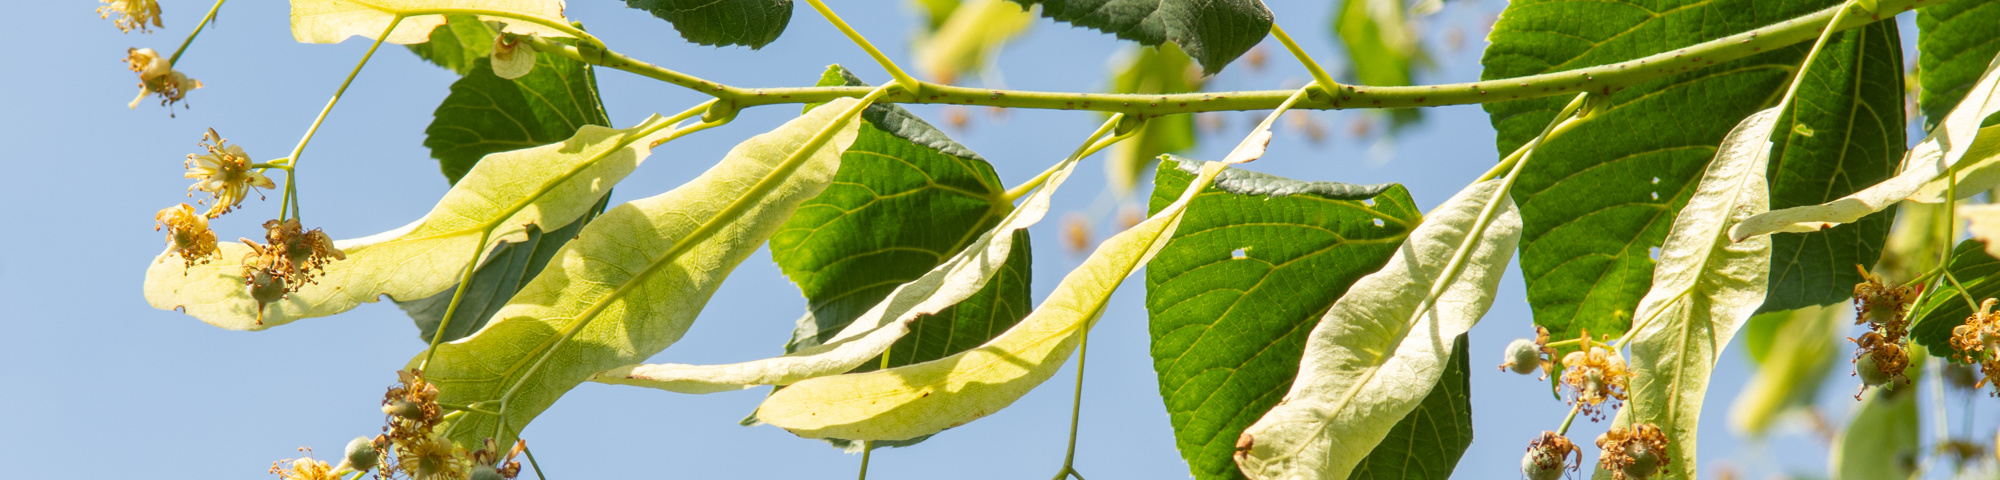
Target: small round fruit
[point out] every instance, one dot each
(361, 454)
(1540, 464)
(1644, 462)
(486, 472)
(403, 408)
(265, 287)
(1523, 356)
(1870, 371)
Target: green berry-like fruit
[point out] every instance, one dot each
(486, 472)
(1541, 464)
(403, 408)
(264, 287)
(1523, 356)
(1644, 462)
(361, 454)
(1870, 371)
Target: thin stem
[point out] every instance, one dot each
(910, 84)
(1969, 302)
(1571, 418)
(1022, 190)
(291, 174)
(532, 463)
(1601, 79)
(1076, 407)
(867, 449)
(1799, 76)
(176, 58)
(464, 281)
(1319, 75)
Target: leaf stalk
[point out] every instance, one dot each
(176, 58)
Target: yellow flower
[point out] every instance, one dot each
(223, 172)
(187, 232)
(133, 14)
(157, 77)
(1594, 375)
(303, 469)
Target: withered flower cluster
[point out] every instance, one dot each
(1549, 456)
(1633, 454)
(1880, 355)
(413, 433)
(1594, 375)
(293, 259)
(305, 468)
(157, 77)
(1978, 342)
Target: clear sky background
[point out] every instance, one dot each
(96, 384)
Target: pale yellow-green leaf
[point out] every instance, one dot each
(1983, 221)
(1932, 158)
(1803, 349)
(635, 278)
(969, 38)
(1703, 289)
(872, 332)
(1881, 441)
(332, 21)
(548, 186)
(925, 398)
(1374, 356)
(1977, 172)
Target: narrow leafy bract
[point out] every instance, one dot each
(485, 113)
(1214, 32)
(1958, 36)
(1377, 352)
(1599, 198)
(1705, 287)
(1972, 175)
(633, 280)
(1882, 439)
(1379, 40)
(1931, 158)
(1232, 296)
(752, 23)
(505, 193)
(511, 265)
(916, 400)
(332, 21)
(1794, 351)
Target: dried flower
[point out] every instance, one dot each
(187, 232)
(1978, 342)
(1633, 454)
(306, 253)
(488, 464)
(1877, 303)
(432, 456)
(223, 172)
(132, 14)
(1877, 360)
(157, 77)
(303, 469)
(1549, 456)
(1594, 375)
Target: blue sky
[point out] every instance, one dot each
(99, 385)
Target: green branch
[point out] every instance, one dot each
(1602, 79)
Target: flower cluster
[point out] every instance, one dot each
(1880, 355)
(1593, 375)
(224, 172)
(1525, 356)
(1978, 342)
(187, 233)
(1549, 456)
(1633, 454)
(157, 77)
(303, 468)
(132, 14)
(293, 259)
(422, 452)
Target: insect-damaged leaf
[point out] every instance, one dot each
(332, 21)
(1599, 198)
(752, 23)
(506, 192)
(1232, 296)
(634, 279)
(1705, 287)
(1378, 351)
(1214, 32)
(921, 399)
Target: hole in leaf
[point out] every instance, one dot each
(1238, 253)
(1656, 195)
(1378, 222)
(1369, 202)
(1655, 253)
(1656, 180)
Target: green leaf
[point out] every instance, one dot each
(1214, 32)
(905, 199)
(333, 21)
(1427, 444)
(752, 23)
(1228, 331)
(1852, 101)
(970, 38)
(633, 280)
(1882, 440)
(1151, 70)
(504, 194)
(486, 113)
(1794, 351)
(1377, 353)
(462, 40)
(1380, 42)
(498, 277)
(1707, 285)
(1598, 199)
(1956, 39)
(915, 400)
(1945, 309)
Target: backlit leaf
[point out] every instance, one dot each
(1881, 439)
(1957, 37)
(1944, 309)
(485, 113)
(1794, 351)
(752, 23)
(461, 40)
(511, 265)
(970, 38)
(1214, 32)
(333, 21)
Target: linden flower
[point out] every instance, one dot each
(432, 456)
(411, 406)
(265, 270)
(305, 253)
(1633, 454)
(133, 14)
(1594, 377)
(1876, 303)
(157, 77)
(223, 172)
(187, 232)
(1978, 342)
(304, 468)
(489, 458)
